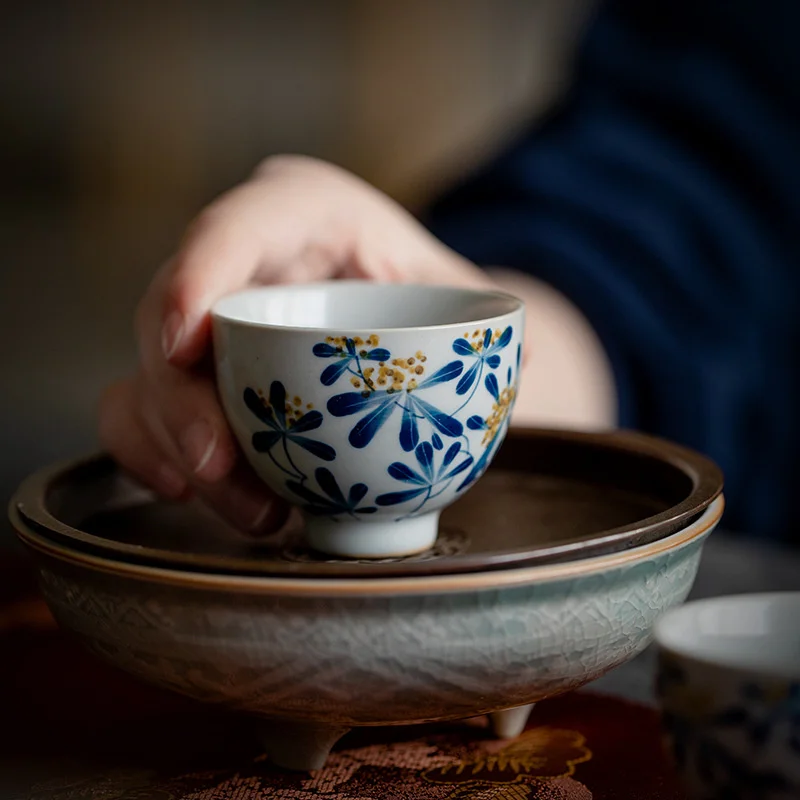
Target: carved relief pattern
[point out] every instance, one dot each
(352, 661)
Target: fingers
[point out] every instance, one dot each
(137, 441)
(261, 227)
(127, 439)
(220, 254)
(183, 413)
(180, 405)
(244, 501)
(288, 223)
(297, 220)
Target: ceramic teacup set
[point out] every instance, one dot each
(440, 566)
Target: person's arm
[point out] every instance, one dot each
(661, 199)
(567, 381)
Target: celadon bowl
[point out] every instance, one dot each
(371, 407)
(312, 657)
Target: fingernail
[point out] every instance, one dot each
(171, 334)
(170, 481)
(199, 442)
(258, 520)
(258, 514)
(250, 508)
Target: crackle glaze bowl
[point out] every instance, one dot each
(371, 407)
(729, 687)
(311, 656)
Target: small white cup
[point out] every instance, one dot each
(729, 687)
(370, 406)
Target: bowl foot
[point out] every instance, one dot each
(298, 746)
(373, 539)
(510, 723)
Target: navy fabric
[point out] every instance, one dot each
(663, 197)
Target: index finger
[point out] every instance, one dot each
(285, 225)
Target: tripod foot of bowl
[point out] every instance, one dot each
(299, 746)
(510, 723)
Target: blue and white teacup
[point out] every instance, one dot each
(729, 687)
(370, 406)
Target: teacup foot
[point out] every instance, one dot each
(509, 723)
(384, 539)
(298, 746)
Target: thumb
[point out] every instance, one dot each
(261, 231)
(220, 253)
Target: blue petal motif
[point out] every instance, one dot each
(316, 503)
(444, 423)
(310, 421)
(275, 418)
(481, 464)
(328, 485)
(492, 386)
(451, 453)
(324, 350)
(356, 495)
(476, 423)
(395, 498)
(318, 449)
(459, 468)
(345, 358)
(343, 405)
(335, 502)
(448, 372)
(402, 472)
(378, 354)
(436, 441)
(493, 361)
(253, 402)
(463, 348)
(487, 338)
(333, 372)
(409, 431)
(264, 441)
(424, 454)
(504, 339)
(468, 378)
(366, 428)
(277, 399)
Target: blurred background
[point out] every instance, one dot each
(122, 119)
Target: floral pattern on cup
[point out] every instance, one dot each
(382, 387)
(728, 748)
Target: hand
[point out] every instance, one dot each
(296, 220)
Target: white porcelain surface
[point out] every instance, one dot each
(729, 684)
(330, 654)
(370, 406)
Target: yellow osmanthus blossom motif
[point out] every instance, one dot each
(341, 341)
(395, 376)
(500, 410)
(477, 339)
(293, 408)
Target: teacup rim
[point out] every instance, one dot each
(516, 305)
(690, 654)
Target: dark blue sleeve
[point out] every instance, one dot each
(663, 197)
